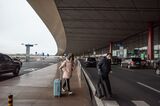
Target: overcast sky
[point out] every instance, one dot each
(20, 24)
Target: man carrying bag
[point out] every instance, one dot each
(104, 68)
(100, 89)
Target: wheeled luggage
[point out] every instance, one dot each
(100, 90)
(57, 88)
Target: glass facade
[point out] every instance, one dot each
(157, 42)
(136, 45)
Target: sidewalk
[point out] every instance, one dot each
(36, 89)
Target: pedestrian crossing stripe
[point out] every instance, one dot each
(110, 103)
(115, 103)
(140, 103)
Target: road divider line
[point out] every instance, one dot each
(148, 87)
(31, 69)
(126, 69)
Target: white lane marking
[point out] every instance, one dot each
(110, 103)
(140, 103)
(148, 87)
(51, 63)
(30, 69)
(126, 69)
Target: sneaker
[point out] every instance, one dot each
(63, 90)
(69, 93)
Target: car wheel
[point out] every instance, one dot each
(158, 71)
(129, 66)
(16, 71)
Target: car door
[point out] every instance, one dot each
(9, 66)
(2, 64)
(125, 64)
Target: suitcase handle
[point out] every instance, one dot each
(60, 74)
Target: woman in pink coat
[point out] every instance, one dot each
(67, 68)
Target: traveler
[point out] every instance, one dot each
(104, 68)
(67, 67)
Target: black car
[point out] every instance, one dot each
(90, 62)
(8, 65)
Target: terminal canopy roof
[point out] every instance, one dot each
(93, 24)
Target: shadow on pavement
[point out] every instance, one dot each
(6, 77)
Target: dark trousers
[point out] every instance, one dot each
(66, 83)
(107, 85)
(107, 81)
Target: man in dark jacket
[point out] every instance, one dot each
(104, 68)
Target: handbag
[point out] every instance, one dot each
(100, 90)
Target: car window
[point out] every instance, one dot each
(136, 59)
(128, 60)
(1, 58)
(6, 58)
(91, 59)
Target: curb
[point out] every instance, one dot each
(98, 101)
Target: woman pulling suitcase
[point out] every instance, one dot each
(67, 67)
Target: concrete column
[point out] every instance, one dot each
(150, 49)
(28, 51)
(110, 47)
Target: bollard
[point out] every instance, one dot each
(10, 100)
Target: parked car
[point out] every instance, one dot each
(16, 59)
(9, 65)
(90, 62)
(131, 62)
(144, 63)
(116, 60)
(151, 64)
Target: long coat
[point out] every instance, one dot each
(104, 66)
(67, 68)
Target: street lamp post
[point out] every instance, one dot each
(28, 50)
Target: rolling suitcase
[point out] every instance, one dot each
(100, 92)
(101, 88)
(57, 83)
(57, 88)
